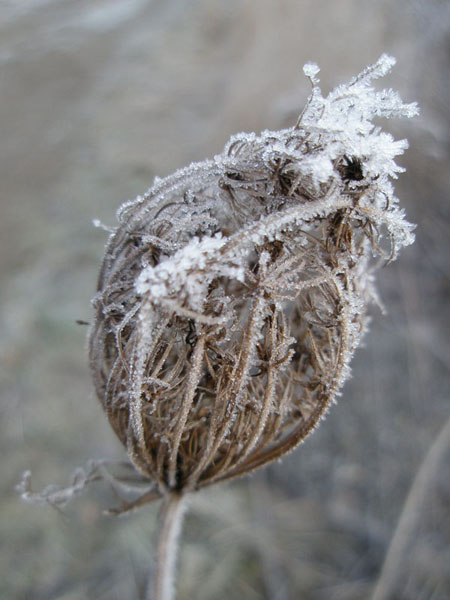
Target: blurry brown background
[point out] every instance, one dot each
(98, 97)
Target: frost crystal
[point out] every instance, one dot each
(234, 293)
(187, 273)
(311, 70)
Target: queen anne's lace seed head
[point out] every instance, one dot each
(233, 293)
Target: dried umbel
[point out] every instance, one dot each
(233, 294)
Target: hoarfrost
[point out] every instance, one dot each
(311, 69)
(187, 274)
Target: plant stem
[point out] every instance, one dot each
(171, 522)
(409, 518)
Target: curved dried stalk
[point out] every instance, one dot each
(410, 514)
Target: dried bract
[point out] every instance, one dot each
(233, 294)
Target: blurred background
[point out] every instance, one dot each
(96, 99)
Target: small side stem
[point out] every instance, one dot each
(171, 523)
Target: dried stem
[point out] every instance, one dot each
(171, 523)
(411, 513)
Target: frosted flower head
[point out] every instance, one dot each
(234, 293)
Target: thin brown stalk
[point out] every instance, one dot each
(191, 386)
(410, 515)
(163, 588)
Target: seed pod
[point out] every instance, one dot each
(233, 294)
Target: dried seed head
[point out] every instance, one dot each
(233, 294)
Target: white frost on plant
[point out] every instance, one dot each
(319, 167)
(311, 69)
(187, 274)
(342, 124)
(332, 131)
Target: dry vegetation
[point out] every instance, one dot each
(96, 101)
